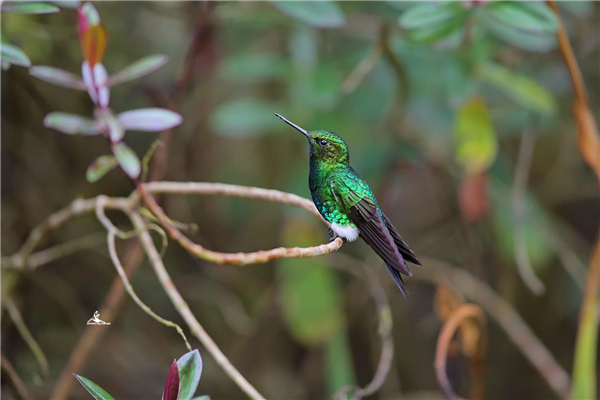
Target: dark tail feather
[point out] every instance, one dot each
(399, 282)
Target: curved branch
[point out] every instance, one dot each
(79, 207)
(453, 322)
(216, 257)
(184, 310)
(112, 249)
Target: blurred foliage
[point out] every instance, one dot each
(446, 113)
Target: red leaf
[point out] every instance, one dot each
(93, 44)
(473, 196)
(171, 390)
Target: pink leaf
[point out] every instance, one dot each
(149, 119)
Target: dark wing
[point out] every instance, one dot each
(363, 212)
(406, 252)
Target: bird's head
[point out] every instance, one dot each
(325, 146)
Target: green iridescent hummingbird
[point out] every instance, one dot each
(345, 200)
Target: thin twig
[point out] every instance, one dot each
(19, 388)
(184, 310)
(521, 177)
(117, 263)
(35, 348)
(454, 321)
(54, 221)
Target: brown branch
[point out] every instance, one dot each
(585, 367)
(241, 259)
(15, 382)
(454, 321)
(184, 310)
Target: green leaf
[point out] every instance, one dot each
(245, 117)
(205, 397)
(320, 14)
(127, 159)
(13, 55)
(430, 16)
(526, 16)
(100, 167)
(22, 7)
(523, 90)
(138, 69)
(476, 142)
(190, 370)
(96, 391)
(530, 41)
(57, 77)
(71, 124)
(450, 28)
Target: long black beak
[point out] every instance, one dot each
(304, 131)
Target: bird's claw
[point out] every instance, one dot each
(333, 236)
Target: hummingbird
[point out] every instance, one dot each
(345, 200)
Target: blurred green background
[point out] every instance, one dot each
(435, 126)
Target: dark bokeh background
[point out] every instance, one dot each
(253, 59)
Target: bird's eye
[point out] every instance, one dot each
(324, 142)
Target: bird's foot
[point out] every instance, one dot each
(333, 236)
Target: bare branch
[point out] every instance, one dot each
(215, 257)
(117, 263)
(184, 310)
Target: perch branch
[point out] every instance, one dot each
(80, 207)
(215, 257)
(453, 322)
(184, 310)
